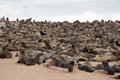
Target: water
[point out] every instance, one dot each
(60, 10)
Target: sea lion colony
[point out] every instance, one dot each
(64, 43)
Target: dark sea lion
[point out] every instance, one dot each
(116, 69)
(117, 43)
(86, 67)
(109, 70)
(43, 33)
(7, 19)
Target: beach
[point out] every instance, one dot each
(10, 70)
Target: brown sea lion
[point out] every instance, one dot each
(100, 58)
(42, 59)
(16, 55)
(99, 67)
(48, 46)
(59, 63)
(28, 59)
(87, 55)
(116, 67)
(4, 53)
(88, 47)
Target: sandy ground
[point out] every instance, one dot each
(10, 70)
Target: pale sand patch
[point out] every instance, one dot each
(10, 70)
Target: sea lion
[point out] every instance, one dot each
(107, 68)
(87, 55)
(42, 59)
(48, 46)
(59, 63)
(32, 61)
(88, 47)
(43, 33)
(99, 67)
(4, 53)
(21, 55)
(86, 67)
(80, 58)
(16, 55)
(7, 19)
(116, 77)
(117, 43)
(62, 64)
(75, 47)
(101, 58)
(28, 59)
(68, 59)
(116, 67)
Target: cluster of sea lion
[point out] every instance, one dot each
(65, 43)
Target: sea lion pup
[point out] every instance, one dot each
(107, 68)
(86, 67)
(16, 55)
(27, 58)
(4, 53)
(21, 55)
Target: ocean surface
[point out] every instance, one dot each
(61, 10)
